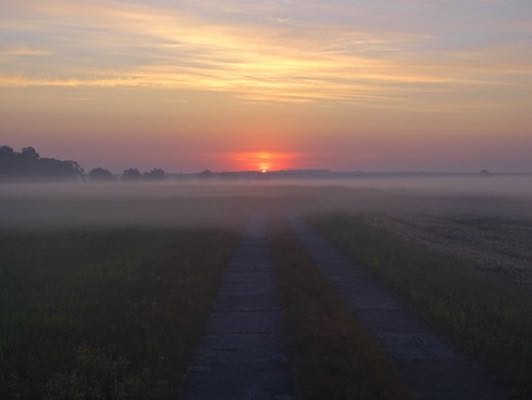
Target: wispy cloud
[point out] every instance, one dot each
(23, 51)
(230, 50)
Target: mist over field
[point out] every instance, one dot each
(176, 203)
(233, 200)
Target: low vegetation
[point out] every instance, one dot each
(488, 318)
(104, 314)
(331, 355)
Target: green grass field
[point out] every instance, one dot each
(104, 313)
(116, 313)
(331, 355)
(487, 317)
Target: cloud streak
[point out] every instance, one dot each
(265, 60)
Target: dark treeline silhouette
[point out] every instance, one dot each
(101, 175)
(155, 174)
(133, 175)
(29, 165)
(129, 175)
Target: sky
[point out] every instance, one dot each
(440, 85)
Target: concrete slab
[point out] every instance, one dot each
(241, 356)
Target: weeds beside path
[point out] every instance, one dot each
(490, 320)
(332, 356)
(104, 313)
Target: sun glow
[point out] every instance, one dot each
(263, 161)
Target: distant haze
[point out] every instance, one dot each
(229, 203)
(234, 84)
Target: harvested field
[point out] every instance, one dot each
(498, 245)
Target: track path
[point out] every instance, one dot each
(241, 357)
(428, 365)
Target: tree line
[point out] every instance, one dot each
(129, 175)
(29, 165)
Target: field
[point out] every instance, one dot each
(474, 297)
(105, 289)
(498, 245)
(104, 313)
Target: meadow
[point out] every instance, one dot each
(105, 289)
(482, 306)
(105, 312)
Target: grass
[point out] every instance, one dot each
(104, 313)
(490, 320)
(331, 355)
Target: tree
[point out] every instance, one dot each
(28, 164)
(74, 166)
(29, 153)
(131, 174)
(156, 174)
(101, 175)
(6, 151)
(206, 174)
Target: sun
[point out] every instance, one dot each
(263, 161)
(264, 167)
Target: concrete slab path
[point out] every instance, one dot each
(241, 355)
(430, 367)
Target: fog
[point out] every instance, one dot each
(229, 203)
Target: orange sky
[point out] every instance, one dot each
(233, 84)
